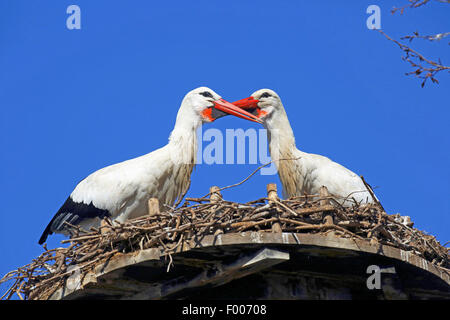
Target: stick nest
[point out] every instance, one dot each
(175, 229)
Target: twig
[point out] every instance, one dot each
(253, 173)
(430, 71)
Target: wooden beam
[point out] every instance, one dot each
(273, 196)
(153, 206)
(219, 274)
(327, 215)
(105, 226)
(215, 196)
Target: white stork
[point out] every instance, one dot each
(308, 172)
(121, 191)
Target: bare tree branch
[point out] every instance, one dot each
(415, 4)
(410, 54)
(424, 68)
(435, 37)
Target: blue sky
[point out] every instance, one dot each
(74, 101)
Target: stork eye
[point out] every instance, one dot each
(266, 95)
(206, 94)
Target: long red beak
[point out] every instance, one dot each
(247, 103)
(232, 109)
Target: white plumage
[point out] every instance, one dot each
(121, 191)
(308, 172)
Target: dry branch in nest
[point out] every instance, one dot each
(176, 229)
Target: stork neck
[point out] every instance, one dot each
(183, 142)
(282, 146)
(281, 136)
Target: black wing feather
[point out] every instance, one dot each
(73, 213)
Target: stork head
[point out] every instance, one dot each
(209, 106)
(264, 104)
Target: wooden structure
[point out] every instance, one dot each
(262, 265)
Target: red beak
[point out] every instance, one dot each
(247, 103)
(234, 110)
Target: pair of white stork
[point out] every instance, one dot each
(121, 191)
